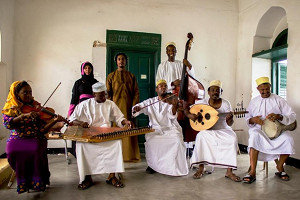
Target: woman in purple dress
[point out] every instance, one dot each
(26, 147)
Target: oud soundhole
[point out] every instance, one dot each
(201, 110)
(207, 116)
(202, 123)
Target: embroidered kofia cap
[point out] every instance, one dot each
(262, 80)
(217, 83)
(171, 43)
(98, 87)
(160, 82)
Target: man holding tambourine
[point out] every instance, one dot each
(268, 106)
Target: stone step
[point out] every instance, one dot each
(5, 170)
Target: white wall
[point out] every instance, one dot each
(6, 65)
(53, 37)
(260, 67)
(250, 14)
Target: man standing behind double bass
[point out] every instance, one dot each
(171, 69)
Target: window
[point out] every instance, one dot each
(279, 70)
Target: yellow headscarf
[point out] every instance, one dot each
(12, 105)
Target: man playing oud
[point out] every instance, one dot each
(260, 147)
(217, 146)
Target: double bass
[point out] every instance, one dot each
(190, 91)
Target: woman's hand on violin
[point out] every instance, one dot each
(59, 118)
(33, 115)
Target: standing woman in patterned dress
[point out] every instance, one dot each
(26, 147)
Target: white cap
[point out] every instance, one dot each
(98, 87)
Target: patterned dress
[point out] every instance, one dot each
(26, 151)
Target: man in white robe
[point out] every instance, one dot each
(273, 107)
(104, 157)
(171, 69)
(217, 146)
(165, 150)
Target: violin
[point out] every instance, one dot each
(45, 113)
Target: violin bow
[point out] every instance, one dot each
(156, 102)
(52, 94)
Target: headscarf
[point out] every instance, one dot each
(84, 77)
(12, 105)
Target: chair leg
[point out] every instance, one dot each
(11, 180)
(266, 168)
(66, 153)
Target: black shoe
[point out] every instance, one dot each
(149, 170)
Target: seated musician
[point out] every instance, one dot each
(260, 147)
(165, 150)
(217, 146)
(27, 145)
(104, 157)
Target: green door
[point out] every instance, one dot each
(141, 64)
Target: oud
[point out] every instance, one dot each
(208, 116)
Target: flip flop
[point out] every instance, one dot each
(250, 178)
(234, 178)
(283, 176)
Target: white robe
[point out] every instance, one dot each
(217, 146)
(165, 150)
(270, 149)
(171, 71)
(103, 157)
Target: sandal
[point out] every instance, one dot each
(115, 182)
(198, 175)
(249, 179)
(234, 178)
(283, 176)
(85, 184)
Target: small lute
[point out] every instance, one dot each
(208, 116)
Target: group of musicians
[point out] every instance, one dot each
(99, 104)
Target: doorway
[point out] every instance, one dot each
(143, 52)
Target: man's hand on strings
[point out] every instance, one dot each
(175, 83)
(127, 123)
(187, 63)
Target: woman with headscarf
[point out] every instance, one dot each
(82, 88)
(26, 147)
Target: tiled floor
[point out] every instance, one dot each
(139, 185)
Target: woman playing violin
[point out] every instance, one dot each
(27, 145)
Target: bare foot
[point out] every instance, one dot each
(233, 177)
